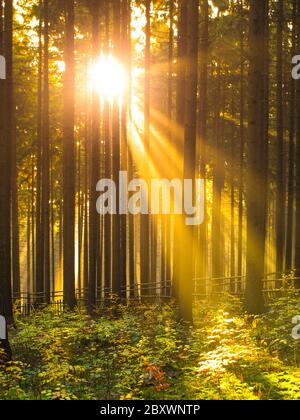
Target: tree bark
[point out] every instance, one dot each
(69, 161)
(256, 194)
(189, 169)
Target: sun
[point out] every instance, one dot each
(108, 77)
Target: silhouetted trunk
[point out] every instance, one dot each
(107, 157)
(69, 161)
(180, 115)
(94, 219)
(45, 158)
(218, 159)
(189, 170)
(145, 256)
(39, 271)
(6, 139)
(232, 202)
(242, 141)
(297, 177)
(203, 113)
(291, 168)
(166, 220)
(131, 232)
(280, 201)
(125, 56)
(116, 165)
(257, 156)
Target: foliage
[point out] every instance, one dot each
(142, 352)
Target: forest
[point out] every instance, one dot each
(149, 199)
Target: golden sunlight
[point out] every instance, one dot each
(108, 77)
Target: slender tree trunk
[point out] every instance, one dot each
(86, 210)
(94, 225)
(257, 157)
(297, 173)
(69, 161)
(145, 256)
(33, 208)
(189, 170)
(217, 193)
(242, 141)
(6, 136)
(291, 168)
(232, 203)
(280, 202)
(203, 113)
(45, 158)
(116, 165)
(180, 117)
(39, 271)
(125, 31)
(131, 232)
(15, 212)
(166, 220)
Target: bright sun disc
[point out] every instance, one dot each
(108, 77)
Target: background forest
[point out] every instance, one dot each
(160, 89)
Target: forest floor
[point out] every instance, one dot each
(144, 353)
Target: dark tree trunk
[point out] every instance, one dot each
(145, 231)
(107, 152)
(256, 195)
(116, 165)
(189, 169)
(45, 159)
(291, 168)
(39, 269)
(94, 219)
(203, 113)
(241, 163)
(6, 140)
(218, 159)
(297, 173)
(69, 162)
(280, 201)
(180, 116)
(125, 56)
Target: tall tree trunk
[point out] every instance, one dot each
(180, 116)
(297, 177)
(45, 158)
(39, 270)
(15, 212)
(145, 218)
(125, 56)
(69, 161)
(116, 165)
(291, 168)
(280, 201)
(232, 202)
(242, 149)
(189, 169)
(6, 139)
(256, 194)
(131, 232)
(107, 152)
(217, 272)
(94, 225)
(166, 220)
(203, 113)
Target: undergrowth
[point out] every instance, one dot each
(142, 352)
